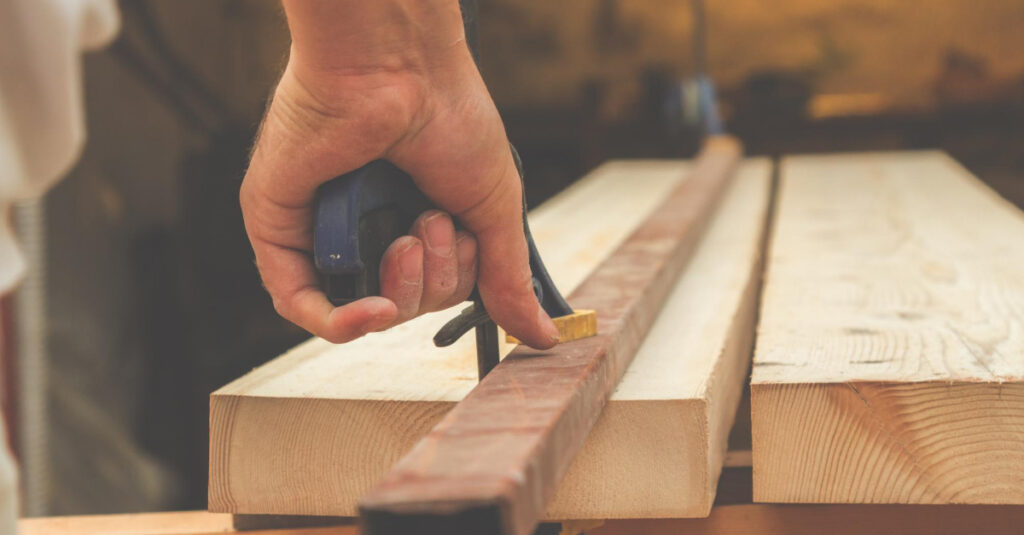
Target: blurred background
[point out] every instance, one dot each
(144, 297)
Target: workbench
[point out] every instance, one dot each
(751, 519)
(733, 514)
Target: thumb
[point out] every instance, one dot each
(460, 158)
(486, 196)
(504, 277)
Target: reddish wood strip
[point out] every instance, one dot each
(491, 465)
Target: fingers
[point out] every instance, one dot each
(506, 286)
(440, 262)
(474, 178)
(450, 139)
(465, 245)
(505, 280)
(290, 278)
(292, 283)
(280, 235)
(401, 276)
(433, 269)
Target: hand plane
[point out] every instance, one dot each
(359, 214)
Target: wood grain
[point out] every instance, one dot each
(282, 424)
(890, 354)
(492, 463)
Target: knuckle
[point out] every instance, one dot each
(248, 198)
(518, 289)
(244, 193)
(283, 308)
(493, 197)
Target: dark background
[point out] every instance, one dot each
(154, 301)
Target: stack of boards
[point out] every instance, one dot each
(882, 297)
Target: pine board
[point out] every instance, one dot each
(890, 350)
(656, 450)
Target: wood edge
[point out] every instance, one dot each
(244, 415)
(738, 349)
(221, 426)
(763, 428)
(229, 405)
(691, 409)
(171, 523)
(864, 154)
(291, 358)
(159, 523)
(983, 187)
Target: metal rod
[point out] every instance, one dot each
(486, 348)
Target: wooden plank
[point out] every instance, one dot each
(492, 463)
(659, 446)
(168, 523)
(747, 519)
(279, 426)
(179, 523)
(890, 353)
(755, 519)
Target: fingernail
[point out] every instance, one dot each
(411, 263)
(547, 325)
(440, 234)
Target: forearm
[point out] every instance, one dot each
(367, 36)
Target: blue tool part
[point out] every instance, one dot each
(359, 214)
(357, 217)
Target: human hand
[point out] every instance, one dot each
(395, 80)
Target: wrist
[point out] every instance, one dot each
(353, 37)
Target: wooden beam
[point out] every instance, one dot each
(890, 356)
(326, 422)
(660, 444)
(492, 463)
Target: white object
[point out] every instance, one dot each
(42, 130)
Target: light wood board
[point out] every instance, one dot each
(312, 431)
(164, 523)
(890, 351)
